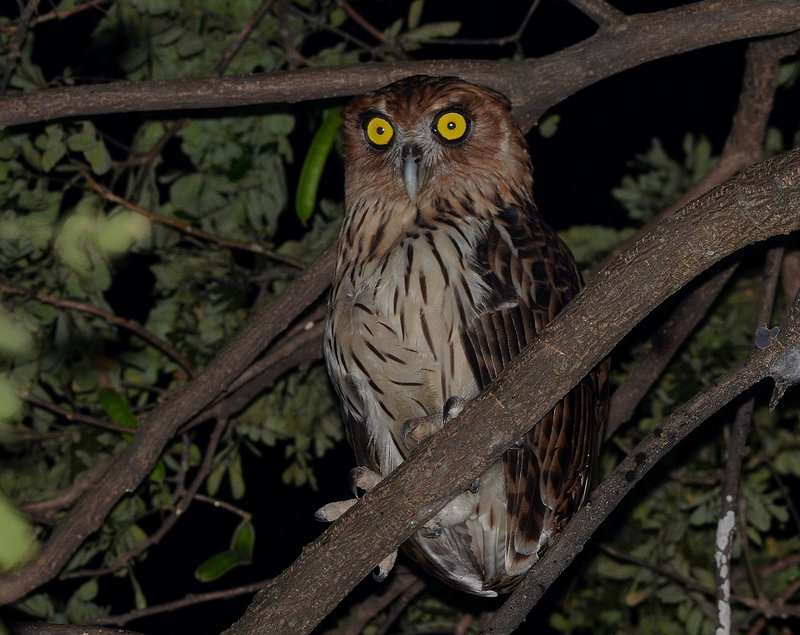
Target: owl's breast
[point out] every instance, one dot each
(394, 338)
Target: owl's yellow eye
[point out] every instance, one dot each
(379, 131)
(451, 125)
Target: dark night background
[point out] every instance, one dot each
(601, 129)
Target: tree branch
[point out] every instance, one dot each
(759, 203)
(744, 146)
(635, 40)
(633, 468)
(157, 427)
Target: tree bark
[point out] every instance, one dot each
(533, 85)
(759, 203)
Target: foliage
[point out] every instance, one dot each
(76, 379)
(74, 260)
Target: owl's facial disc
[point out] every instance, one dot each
(412, 158)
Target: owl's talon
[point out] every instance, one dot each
(432, 531)
(475, 485)
(452, 408)
(362, 478)
(519, 444)
(415, 431)
(384, 566)
(330, 512)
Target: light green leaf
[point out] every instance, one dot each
(218, 565)
(18, 544)
(244, 539)
(10, 404)
(549, 126)
(433, 30)
(415, 13)
(16, 339)
(87, 591)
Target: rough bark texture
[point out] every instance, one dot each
(760, 203)
(534, 85)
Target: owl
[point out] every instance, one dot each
(445, 272)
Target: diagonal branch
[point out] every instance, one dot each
(161, 424)
(759, 203)
(534, 85)
(638, 463)
(744, 146)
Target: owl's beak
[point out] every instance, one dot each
(411, 163)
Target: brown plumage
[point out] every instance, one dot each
(445, 272)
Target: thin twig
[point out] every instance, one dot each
(503, 40)
(56, 14)
(15, 46)
(391, 44)
(131, 325)
(177, 512)
(737, 448)
(599, 11)
(188, 600)
(245, 515)
(45, 511)
(743, 146)
(219, 69)
(399, 607)
(360, 615)
(185, 227)
(78, 417)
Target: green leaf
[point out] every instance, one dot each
(18, 544)
(433, 30)
(236, 476)
(311, 173)
(159, 472)
(52, 155)
(549, 126)
(415, 13)
(17, 339)
(98, 157)
(10, 404)
(243, 540)
(87, 591)
(218, 565)
(117, 408)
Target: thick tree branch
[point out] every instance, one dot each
(759, 203)
(534, 85)
(631, 470)
(160, 425)
(744, 146)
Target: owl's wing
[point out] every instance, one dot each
(532, 276)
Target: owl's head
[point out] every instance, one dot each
(423, 138)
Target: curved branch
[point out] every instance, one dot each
(156, 429)
(633, 468)
(759, 203)
(533, 85)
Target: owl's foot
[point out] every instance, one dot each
(384, 566)
(330, 512)
(363, 478)
(416, 430)
(360, 478)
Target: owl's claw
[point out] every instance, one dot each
(453, 407)
(475, 485)
(432, 530)
(330, 512)
(384, 566)
(416, 430)
(360, 478)
(363, 478)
